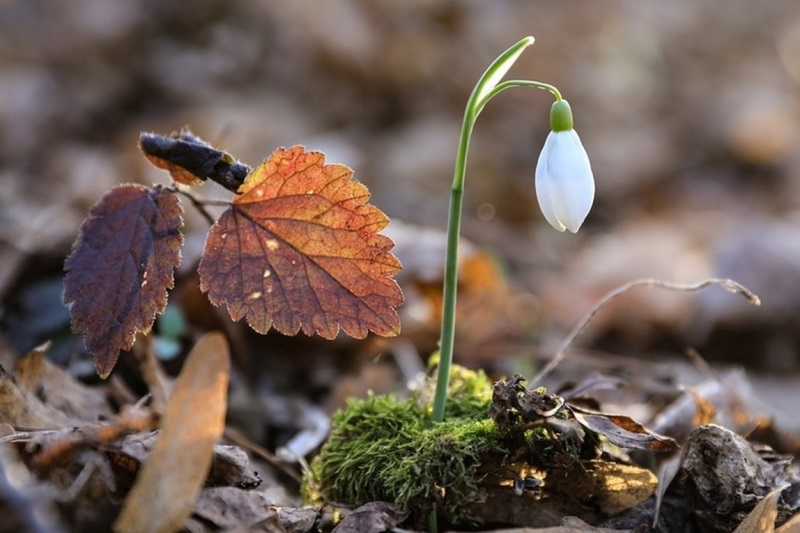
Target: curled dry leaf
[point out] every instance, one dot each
(299, 249)
(120, 268)
(622, 431)
(190, 160)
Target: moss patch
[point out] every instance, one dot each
(384, 448)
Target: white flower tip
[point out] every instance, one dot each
(564, 181)
(575, 227)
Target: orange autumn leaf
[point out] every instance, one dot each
(120, 268)
(299, 249)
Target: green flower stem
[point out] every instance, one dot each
(524, 83)
(487, 87)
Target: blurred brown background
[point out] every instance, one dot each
(689, 110)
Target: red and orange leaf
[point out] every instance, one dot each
(299, 249)
(120, 268)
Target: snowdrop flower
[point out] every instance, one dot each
(564, 182)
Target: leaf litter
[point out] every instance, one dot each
(218, 99)
(584, 475)
(569, 463)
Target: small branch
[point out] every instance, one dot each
(727, 284)
(201, 203)
(240, 439)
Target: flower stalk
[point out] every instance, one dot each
(488, 86)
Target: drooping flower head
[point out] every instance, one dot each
(564, 181)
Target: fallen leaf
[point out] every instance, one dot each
(28, 369)
(589, 490)
(57, 389)
(790, 526)
(40, 395)
(622, 431)
(762, 518)
(299, 249)
(613, 487)
(232, 509)
(21, 409)
(723, 399)
(190, 160)
(570, 524)
(230, 465)
(667, 471)
(297, 520)
(172, 477)
(120, 268)
(372, 517)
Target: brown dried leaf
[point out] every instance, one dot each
(589, 490)
(667, 471)
(623, 431)
(57, 389)
(613, 487)
(790, 526)
(762, 518)
(41, 395)
(22, 409)
(372, 516)
(190, 160)
(173, 476)
(513, 403)
(120, 268)
(28, 369)
(299, 249)
(232, 509)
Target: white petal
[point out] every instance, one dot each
(544, 186)
(564, 182)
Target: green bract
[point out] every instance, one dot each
(561, 116)
(564, 180)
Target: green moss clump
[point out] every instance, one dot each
(470, 394)
(383, 448)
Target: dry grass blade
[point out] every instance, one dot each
(164, 494)
(727, 284)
